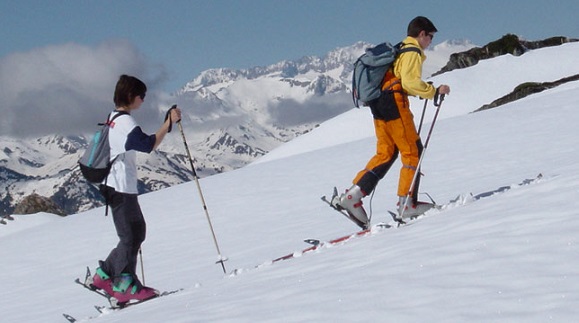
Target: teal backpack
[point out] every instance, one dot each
(95, 163)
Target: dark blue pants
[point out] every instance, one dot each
(131, 229)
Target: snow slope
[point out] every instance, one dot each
(508, 257)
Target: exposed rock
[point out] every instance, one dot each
(525, 89)
(508, 44)
(35, 203)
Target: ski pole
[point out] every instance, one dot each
(422, 116)
(417, 183)
(142, 266)
(221, 259)
(438, 104)
(423, 112)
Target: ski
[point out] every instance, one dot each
(365, 232)
(72, 319)
(501, 189)
(316, 244)
(115, 305)
(362, 225)
(319, 243)
(468, 198)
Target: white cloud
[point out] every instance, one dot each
(68, 88)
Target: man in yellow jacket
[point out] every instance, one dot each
(395, 129)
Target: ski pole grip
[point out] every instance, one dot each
(438, 98)
(168, 116)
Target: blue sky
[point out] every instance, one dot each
(179, 39)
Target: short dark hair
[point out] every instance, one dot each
(127, 89)
(419, 24)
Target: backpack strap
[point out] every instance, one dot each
(110, 120)
(403, 49)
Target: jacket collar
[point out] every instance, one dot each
(414, 42)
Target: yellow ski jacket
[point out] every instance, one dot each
(408, 68)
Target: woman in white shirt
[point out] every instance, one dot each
(117, 274)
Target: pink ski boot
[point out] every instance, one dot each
(127, 290)
(102, 280)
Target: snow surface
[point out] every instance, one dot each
(508, 257)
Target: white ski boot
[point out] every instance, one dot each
(412, 210)
(351, 201)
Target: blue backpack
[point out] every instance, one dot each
(370, 69)
(95, 163)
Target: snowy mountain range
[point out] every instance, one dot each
(230, 118)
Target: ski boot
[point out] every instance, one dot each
(351, 201)
(126, 289)
(412, 209)
(101, 280)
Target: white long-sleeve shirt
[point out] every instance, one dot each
(125, 139)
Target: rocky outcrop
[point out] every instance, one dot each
(526, 89)
(508, 44)
(35, 203)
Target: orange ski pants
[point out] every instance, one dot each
(393, 137)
